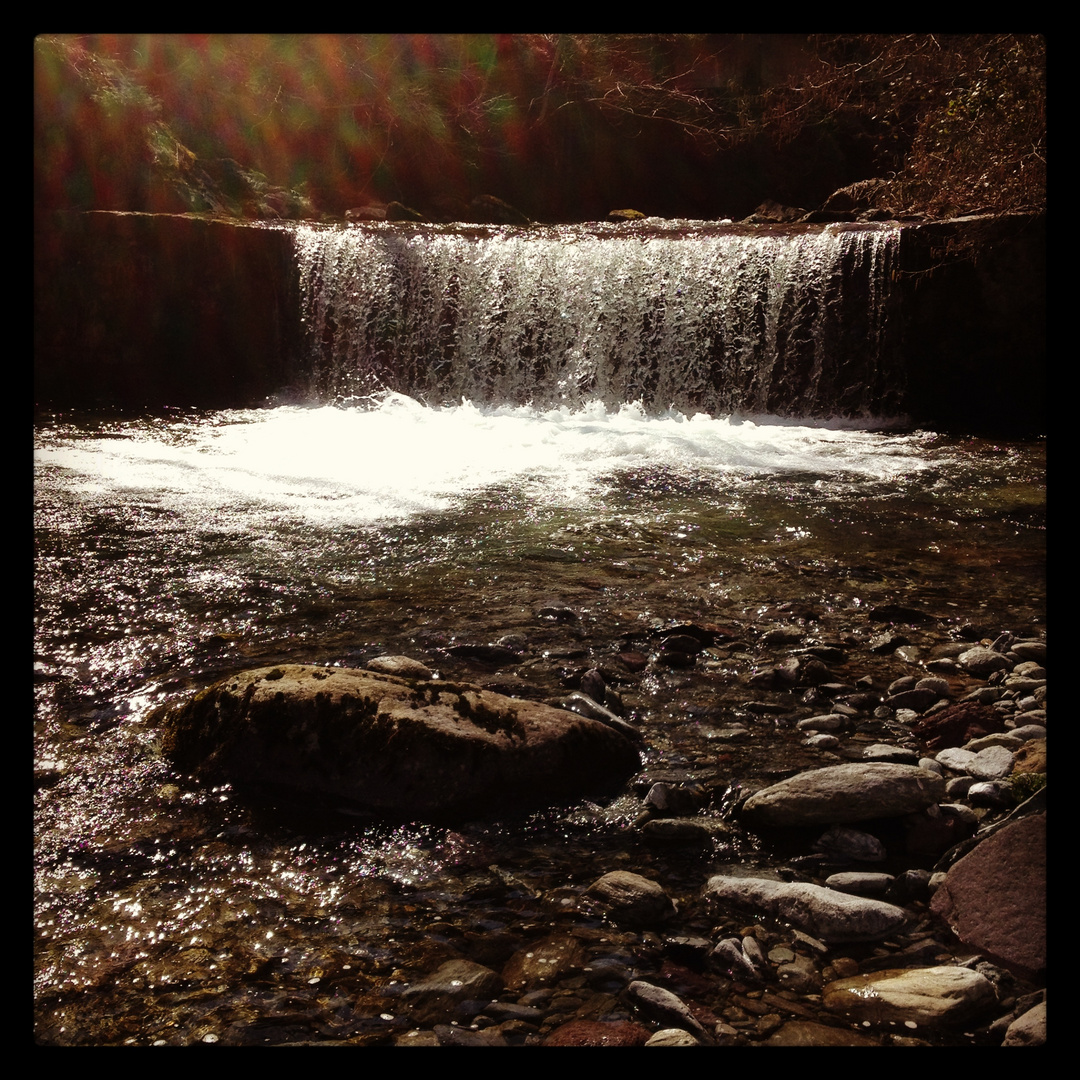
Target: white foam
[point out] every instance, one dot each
(397, 457)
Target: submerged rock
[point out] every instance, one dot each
(436, 998)
(544, 963)
(598, 1033)
(424, 748)
(632, 900)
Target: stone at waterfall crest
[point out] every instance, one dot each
(424, 748)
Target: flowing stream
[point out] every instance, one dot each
(410, 509)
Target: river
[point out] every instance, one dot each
(175, 547)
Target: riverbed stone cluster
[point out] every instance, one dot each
(903, 893)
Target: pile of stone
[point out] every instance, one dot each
(828, 950)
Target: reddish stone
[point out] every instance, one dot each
(682, 980)
(956, 725)
(597, 1033)
(994, 898)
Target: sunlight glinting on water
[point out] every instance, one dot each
(355, 466)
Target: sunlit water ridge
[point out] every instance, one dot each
(398, 458)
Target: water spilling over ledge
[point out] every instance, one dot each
(693, 317)
(943, 321)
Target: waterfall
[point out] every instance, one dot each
(700, 317)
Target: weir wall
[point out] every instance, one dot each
(158, 310)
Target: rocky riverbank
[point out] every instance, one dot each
(899, 896)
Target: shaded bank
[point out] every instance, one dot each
(136, 310)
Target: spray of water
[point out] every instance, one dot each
(788, 322)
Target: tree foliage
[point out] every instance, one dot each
(952, 122)
(959, 121)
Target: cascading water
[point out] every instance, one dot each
(769, 320)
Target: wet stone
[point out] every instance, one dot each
(403, 666)
(842, 794)
(982, 661)
(673, 1037)
(887, 752)
(594, 1033)
(832, 916)
(544, 963)
(860, 883)
(631, 899)
(933, 996)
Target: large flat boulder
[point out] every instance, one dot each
(840, 794)
(415, 748)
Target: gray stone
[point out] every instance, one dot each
(938, 685)
(1030, 670)
(999, 738)
(860, 883)
(825, 722)
(1029, 731)
(992, 763)
(959, 786)
(404, 667)
(840, 794)
(673, 1037)
(1030, 650)
(664, 1006)
(982, 661)
(887, 752)
(730, 956)
(956, 759)
(993, 793)
(832, 916)
(1022, 685)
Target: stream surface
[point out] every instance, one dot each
(176, 548)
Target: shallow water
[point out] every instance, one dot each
(173, 549)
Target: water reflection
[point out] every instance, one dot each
(171, 552)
